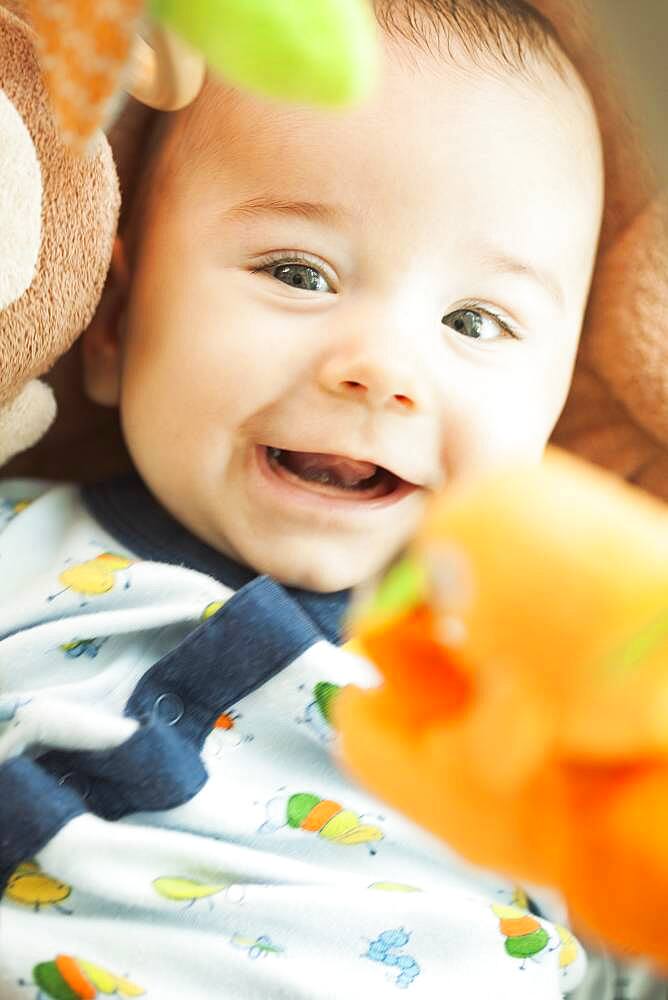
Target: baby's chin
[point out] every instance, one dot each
(324, 566)
(320, 575)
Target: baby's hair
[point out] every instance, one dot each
(509, 30)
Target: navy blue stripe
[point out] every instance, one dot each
(156, 768)
(33, 808)
(257, 633)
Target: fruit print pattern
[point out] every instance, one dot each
(28, 885)
(82, 647)
(258, 947)
(385, 949)
(70, 978)
(94, 577)
(211, 609)
(324, 817)
(525, 937)
(318, 712)
(189, 891)
(569, 950)
(225, 734)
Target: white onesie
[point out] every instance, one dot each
(172, 822)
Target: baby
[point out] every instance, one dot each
(313, 321)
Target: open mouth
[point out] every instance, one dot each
(334, 475)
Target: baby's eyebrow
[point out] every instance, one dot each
(504, 263)
(313, 211)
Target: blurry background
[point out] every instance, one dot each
(636, 34)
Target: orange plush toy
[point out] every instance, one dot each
(524, 714)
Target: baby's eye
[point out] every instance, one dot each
(477, 324)
(300, 276)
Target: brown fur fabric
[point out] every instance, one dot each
(80, 200)
(617, 411)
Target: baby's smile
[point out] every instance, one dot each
(329, 477)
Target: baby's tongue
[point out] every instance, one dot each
(330, 469)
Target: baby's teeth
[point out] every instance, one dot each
(315, 476)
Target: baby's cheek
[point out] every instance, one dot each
(390, 538)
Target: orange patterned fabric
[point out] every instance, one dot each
(84, 47)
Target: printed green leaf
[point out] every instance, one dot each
(325, 692)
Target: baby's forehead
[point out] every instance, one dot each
(225, 122)
(426, 111)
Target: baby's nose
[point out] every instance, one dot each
(386, 384)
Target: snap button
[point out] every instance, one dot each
(168, 708)
(77, 782)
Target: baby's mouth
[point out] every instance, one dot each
(333, 475)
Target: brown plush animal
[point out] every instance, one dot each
(617, 412)
(58, 215)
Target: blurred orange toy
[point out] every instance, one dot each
(523, 717)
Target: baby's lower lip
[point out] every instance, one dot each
(318, 495)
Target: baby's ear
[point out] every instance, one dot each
(102, 341)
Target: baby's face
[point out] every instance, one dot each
(332, 315)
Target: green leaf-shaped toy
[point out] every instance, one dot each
(402, 589)
(315, 51)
